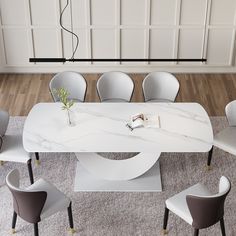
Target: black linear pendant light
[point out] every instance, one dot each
(72, 59)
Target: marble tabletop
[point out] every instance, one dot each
(101, 127)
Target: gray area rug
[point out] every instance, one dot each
(121, 213)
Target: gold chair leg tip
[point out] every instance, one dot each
(13, 231)
(209, 168)
(37, 162)
(1, 163)
(72, 230)
(164, 232)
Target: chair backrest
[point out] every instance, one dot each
(27, 204)
(73, 82)
(230, 111)
(115, 85)
(4, 120)
(208, 210)
(160, 86)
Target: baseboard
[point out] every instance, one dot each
(125, 68)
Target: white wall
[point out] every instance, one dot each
(119, 28)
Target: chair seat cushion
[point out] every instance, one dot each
(13, 150)
(226, 140)
(178, 204)
(56, 200)
(159, 100)
(114, 100)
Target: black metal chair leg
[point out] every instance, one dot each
(14, 218)
(166, 215)
(37, 158)
(196, 232)
(36, 230)
(209, 159)
(222, 225)
(30, 171)
(69, 209)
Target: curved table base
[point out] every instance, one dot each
(108, 169)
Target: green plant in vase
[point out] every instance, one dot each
(63, 94)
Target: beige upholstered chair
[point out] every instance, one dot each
(11, 146)
(73, 82)
(226, 139)
(115, 86)
(198, 206)
(37, 202)
(160, 87)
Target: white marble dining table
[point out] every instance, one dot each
(101, 127)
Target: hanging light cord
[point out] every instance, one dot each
(71, 32)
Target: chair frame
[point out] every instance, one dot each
(119, 72)
(151, 99)
(85, 92)
(197, 205)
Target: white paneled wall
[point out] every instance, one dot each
(119, 29)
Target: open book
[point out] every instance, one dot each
(144, 120)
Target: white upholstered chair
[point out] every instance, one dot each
(73, 82)
(115, 87)
(198, 206)
(36, 202)
(11, 146)
(160, 87)
(226, 139)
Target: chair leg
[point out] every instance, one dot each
(30, 171)
(69, 209)
(14, 218)
(1, 163)
(209, 159)
(36, 230)
(37, 158)
(166, 215)
(196, 232)
(222, 225)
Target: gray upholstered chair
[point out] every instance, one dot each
(226, 139)
(73, 82)
(36, 202)
(160, 87)
(198, 206)
(11, 146)
(115, 87)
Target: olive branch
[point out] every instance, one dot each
(63, 94)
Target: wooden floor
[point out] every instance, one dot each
(19, 92)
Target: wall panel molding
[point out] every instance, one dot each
(119, 28)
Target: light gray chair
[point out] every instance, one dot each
(198, 206)
(160, 87)
(11, 146)
(73, 82)
(226, 139)
(115, 87)
(36, 202)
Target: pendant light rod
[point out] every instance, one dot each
(63, 60)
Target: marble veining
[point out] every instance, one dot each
(100, 127)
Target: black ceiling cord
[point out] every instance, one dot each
(71, 32)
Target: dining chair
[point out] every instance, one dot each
(160, 87)
(225, 139)
(73, 82)
(198, 206)
(11, 146)
(115, 86)
(36, 202)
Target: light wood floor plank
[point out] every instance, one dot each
(19, 92)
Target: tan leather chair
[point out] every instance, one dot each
(198, 206)
(48, 198)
